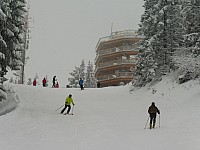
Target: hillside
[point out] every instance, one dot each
(108, 118)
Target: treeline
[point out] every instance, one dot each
(12, 35)
(171, 30)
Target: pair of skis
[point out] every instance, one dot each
(71, 113)
(68, 114)
(148, 120)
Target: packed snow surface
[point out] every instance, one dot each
(109, 118)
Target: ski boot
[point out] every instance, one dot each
(150, 126)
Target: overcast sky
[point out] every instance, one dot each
(66, 32)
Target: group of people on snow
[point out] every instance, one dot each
(56, 84)
(44, 82)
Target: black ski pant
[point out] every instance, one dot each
(69, 108)
(153, 118)
(82, 88)
(54, 84)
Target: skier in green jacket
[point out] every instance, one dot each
(68, 102)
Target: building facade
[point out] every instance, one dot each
(116, 58)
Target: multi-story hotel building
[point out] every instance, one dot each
(116, 58)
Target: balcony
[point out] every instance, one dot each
(119, 35)
(135, 48)
(115, 76)
(115, 63)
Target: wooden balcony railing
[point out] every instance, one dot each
(113, 50)
(120, 34)
(116, 62)
(115, 76)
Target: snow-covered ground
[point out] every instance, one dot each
(104, 119)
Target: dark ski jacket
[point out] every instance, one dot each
(153, 110)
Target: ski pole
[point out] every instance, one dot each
(146, 123)
(159, 120)
(59, 108)
(72, 109)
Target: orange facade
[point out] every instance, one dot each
(116, 58)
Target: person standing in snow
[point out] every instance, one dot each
(68, 102)
(54, 82)
(153, 110)
(98, 84)
(57, 85)
(81, 82)
(44, 81)
(34, 82)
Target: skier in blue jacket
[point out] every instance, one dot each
(81, 82)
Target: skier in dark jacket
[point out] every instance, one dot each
(153, 110)
(54, 81)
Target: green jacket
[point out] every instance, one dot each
(68, 101)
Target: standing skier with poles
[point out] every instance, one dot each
(153, 110)
(68, 102)
(54, 82)
(81, 82)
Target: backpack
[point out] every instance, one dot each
(153, 109)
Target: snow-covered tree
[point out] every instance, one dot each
(77, 73)
(82, 70)
(90, 81)
(12, 33)
(161, 27)
(73, 81)
(3, 44)
(187, 63)
(186, 59)
(146, 58)
(29, 82)
(191, 13)
(86, 74)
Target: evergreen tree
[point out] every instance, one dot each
(73, 81)
(12, 33)
(191, 13)
(29, 82)
(188, 64)
(90, 79)
(146, 58)
(3, 44)
(162, 29)
(77, 73)
(82, 70)
(187, 58)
